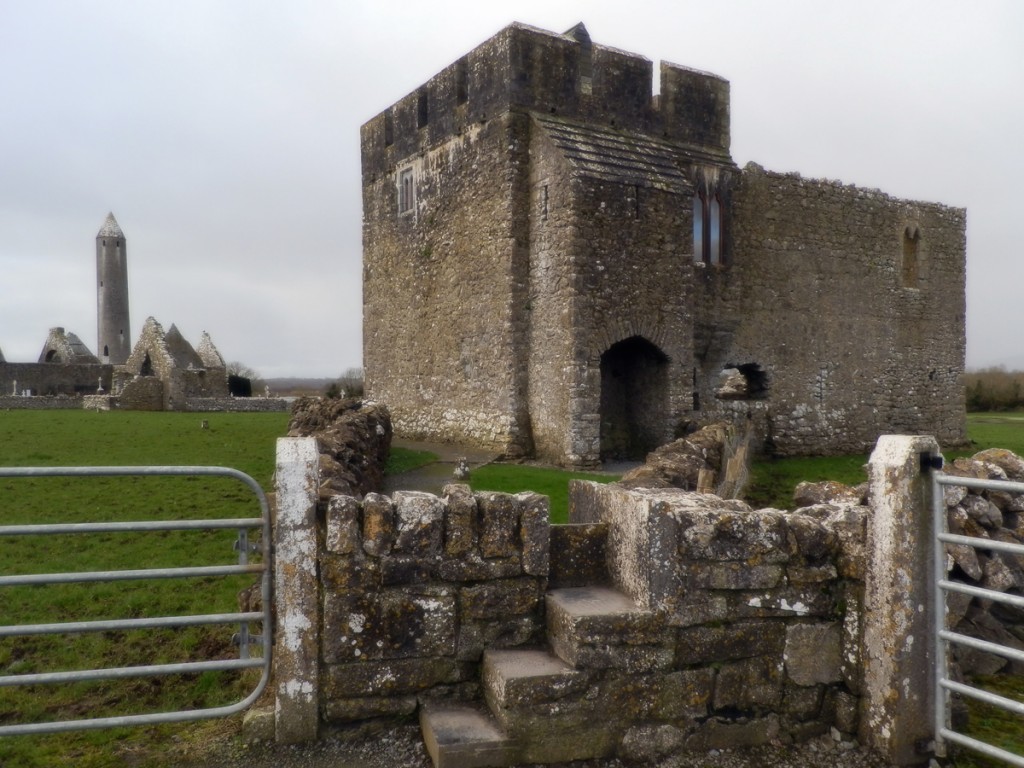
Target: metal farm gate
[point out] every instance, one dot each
(242, 638)
(944, 685)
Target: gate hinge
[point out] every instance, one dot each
(930, 462)
(236, 639)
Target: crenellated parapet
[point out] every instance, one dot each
(525, 68)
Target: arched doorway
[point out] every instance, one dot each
(634, 398)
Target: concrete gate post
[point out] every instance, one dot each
(297, 646)
(899, 616)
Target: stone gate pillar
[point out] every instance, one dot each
(297, 641)
(899, 617)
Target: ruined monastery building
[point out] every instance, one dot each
(559, 264)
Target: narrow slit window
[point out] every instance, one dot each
(911, 265)
(714, 231)
(698, 229)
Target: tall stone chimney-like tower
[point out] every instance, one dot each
(113, 342)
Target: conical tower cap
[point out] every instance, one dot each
(110, 228)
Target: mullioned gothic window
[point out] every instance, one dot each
(707, 228)
(406, 191)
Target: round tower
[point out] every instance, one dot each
(113, 342)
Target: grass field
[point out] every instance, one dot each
(54, 438)
(243, 441)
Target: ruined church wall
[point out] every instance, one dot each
(444, 284)
(816, 295)
(54, 378)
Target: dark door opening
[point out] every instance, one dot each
(634, 398)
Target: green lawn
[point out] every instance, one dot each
(55, 438)
(553, 483)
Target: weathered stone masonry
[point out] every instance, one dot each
(534, 280)
(663, 617)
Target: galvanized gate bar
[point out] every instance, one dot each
(144, 573)
(243, 638)
(74, 627)
(149, 525)
(943, 685)
(118, 673)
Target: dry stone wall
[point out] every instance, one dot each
(415, 587)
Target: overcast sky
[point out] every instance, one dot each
(224, 136)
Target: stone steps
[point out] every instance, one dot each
(601, 628)
(542, 704)
(463, 736)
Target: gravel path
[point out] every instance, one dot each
(402, 747)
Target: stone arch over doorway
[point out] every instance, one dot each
(634, 398)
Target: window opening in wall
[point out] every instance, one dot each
(698, 229)
(461, 82)
(544, 203)
(911, 241)
(422, 113)
(147, 366)
(106, 351)
(707, 229)
(747, 381)
(406, 191)
(714, 231)
(389, 129)
(51, 356)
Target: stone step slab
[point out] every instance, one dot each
(515, 679)
(601, 628)
(462, 736)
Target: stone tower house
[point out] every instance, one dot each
(558, 262)
(113, 334)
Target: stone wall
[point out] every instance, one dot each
(416, 587)
(40, 403)
(238, 404)
(821, 297)
(54, 378)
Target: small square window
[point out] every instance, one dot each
(406, 191)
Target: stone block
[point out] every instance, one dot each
(474, 637)
(802, 703)
(516, 679)
(534, 532)
(811, 538)
(727, 534)
(459, 521)
(847, 712)
(651, 743)
(343, 535)
(581, 559)
(472, 568)
(814, 653)
(815, 600)
(347, 574)
(500, 598)
(393, 677)
(797, 574)
(700, 608)
(405, 570)
(364, 707)
(749, 684)
(388, 625)
(682, 695)
(733, 576)
(739, 640)
(458, 736)
(719, 733)
(378, 524)
(419, 519)
(499, 525)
